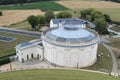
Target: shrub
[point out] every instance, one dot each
(4, 60)
(49, 15)
(1, 13)
(33, 20)
(64, 14)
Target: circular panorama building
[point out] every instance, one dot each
(70, 46)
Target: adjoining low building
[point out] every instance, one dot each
(67, 21)
(29, 49)
(65, 45)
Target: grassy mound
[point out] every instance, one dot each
(44, 6)
(55, 75)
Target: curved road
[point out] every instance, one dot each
(114, 61)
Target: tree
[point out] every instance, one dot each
(49, 15)
(41, 20)
(64, 14)
(107, 18)
(1, 13)
(101, 26)
(33, 21)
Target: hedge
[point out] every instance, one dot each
(4, 60)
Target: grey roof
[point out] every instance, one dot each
(23, 44)
(27, 44)
(74, 35)
(73, 21)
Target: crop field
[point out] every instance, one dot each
(55, 75)
(7, 48)
(15, 16)
(43, 6)
(77, 4)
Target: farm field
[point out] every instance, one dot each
(43, 6)
(7, 48)
(15, 16)
(111, 8)
(77, 4)
(55, 75)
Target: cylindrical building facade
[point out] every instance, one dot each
(70, 46)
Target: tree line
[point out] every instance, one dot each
(98, 18)
(114, 0)
(92, 15)
(21, 2)
(38, 21)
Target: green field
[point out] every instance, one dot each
(24, 25)
(7, 48)
(116, 28)
(54, 75)
(104, 63)
(115, 42)
(44, 6)
(114, 13)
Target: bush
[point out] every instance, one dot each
(64, 14)
(49, 15)
(33, 20)
(41, 19)
(1, 13)
(4, 60)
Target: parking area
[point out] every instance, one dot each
(6, 38)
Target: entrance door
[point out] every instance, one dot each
(22, 60)
(27, 57)
(31, 55)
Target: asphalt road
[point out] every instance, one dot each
(21, 32)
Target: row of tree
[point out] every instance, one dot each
(98, 18)
(7, 2)
(1, 13)
(114, 0)
(40, 20)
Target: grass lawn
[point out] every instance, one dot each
(104, 63)
(114, 13)
(7, 48)
(116, 28)
(24, 25)
(115, 43)
(54, 75)
(44, 6)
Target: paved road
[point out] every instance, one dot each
(114, 61)
(22, 32)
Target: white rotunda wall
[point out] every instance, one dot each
(70, 57)
(36, 51)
